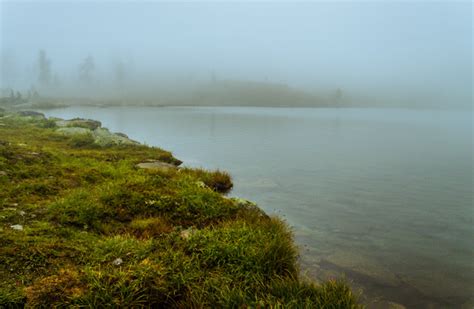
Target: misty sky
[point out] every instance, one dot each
(360, 46)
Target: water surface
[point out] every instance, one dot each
(384, 196)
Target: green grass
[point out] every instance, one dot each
(98, 231)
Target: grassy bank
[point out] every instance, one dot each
(82, 225)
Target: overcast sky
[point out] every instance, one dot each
(368, 46)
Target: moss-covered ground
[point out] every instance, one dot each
(82, 226)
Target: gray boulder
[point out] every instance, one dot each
(73, 131)
(79, 123)
(104, 137)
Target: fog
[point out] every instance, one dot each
(385, 53)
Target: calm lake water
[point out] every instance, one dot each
(384, 196)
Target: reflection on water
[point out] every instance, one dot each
(384, 196)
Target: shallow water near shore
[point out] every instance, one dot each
(383, 196)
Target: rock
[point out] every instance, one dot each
(121, 134)
(117, 262)
(201, 184)
(17, 227)
(243, 202)
(74, 131)
(382, 304)
(31, 114)
(156, 165)
(186, 234)
(79, 123)
(393, 305)
(3, 173)
(249, 205)
(361, 265)
(104, 137)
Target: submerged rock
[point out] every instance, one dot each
(360, 265)
(383, 304)
(156, 165)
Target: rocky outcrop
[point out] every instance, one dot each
(101, 136)
(248, 205)
(79, 123)
(32, 114)
(156, 165)
(73, 131)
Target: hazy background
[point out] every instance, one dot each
(383, 52)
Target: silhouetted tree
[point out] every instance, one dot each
(44, 69)
(18, 97)
(86, 70)
(337, 96)
(120, 73)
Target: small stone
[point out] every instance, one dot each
(3, 173)
(17, 227)
(186, 234)
(117, 262)
(200, 184)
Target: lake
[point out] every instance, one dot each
(383, 196)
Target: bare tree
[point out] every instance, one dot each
(120, 73)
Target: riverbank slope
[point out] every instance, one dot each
(88, 219)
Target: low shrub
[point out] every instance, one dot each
(150, 227)
(82, 140)
(219, 181)
(79, 209)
